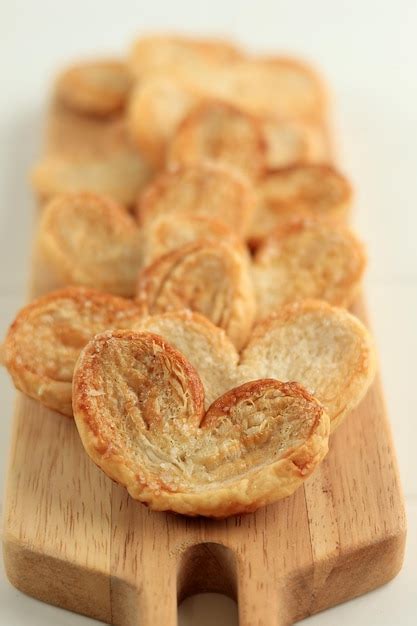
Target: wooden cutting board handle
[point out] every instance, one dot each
(171, 577)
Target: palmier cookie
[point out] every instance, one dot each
(121, 175)
(97, 87)
(92, 241)
(139, 409)
(308, 258)
(165, 234)
(44, 341)
(208, 277)
(202, 189)
(309, 190)
(293, 142)
(220, 132)
(324, 348)
(157, 105)
(206, 347)
(189, 58)
(277, 86)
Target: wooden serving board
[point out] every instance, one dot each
(75, 539)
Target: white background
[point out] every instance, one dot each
(367, 50)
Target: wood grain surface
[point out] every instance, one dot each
(75, 539)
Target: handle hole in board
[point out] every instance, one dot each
(208, 609)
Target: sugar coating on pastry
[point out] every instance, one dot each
(120, 175)
(157, 105)
(97, 87)
(324, 348)
(184, 56)
(220, 132)
(308, 258)
(211, 278)
(45, 339)
(203, 189)
(92, 241)
(169, 232)
(139, 408)
(303, 189)
(206, 347)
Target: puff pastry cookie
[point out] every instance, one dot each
(309, 190)
(220, 132)
(167, 233)
(97, 87)
(189, 58)
(120, 174)
(211, 278)
(158, 103)
(92, 241)
(277, 86)
(308, 258)
(207, 348)
(324, 348)
(291, 142)
(44, 341)
(139, 409)
(202, 189)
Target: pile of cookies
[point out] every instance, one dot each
(196, 228)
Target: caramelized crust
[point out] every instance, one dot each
(308, 258)
(138, 406)
(202, 189)
(300, 190)
(206, 347)
(211, 278)
(97, 87)
(92, 241)
(220, 132)
(44, 341)
(324, 348)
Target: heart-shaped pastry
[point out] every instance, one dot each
(183, 56)
(92, 241)
(204, 189)
(324, 348)
(220, 132)
(280, 88)
(97, 87)
(309, 190)
(119, 175)
(139, 409)
(45, 340)
(209, 277)
(307, 258)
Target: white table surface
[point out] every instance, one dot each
(368, 52)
